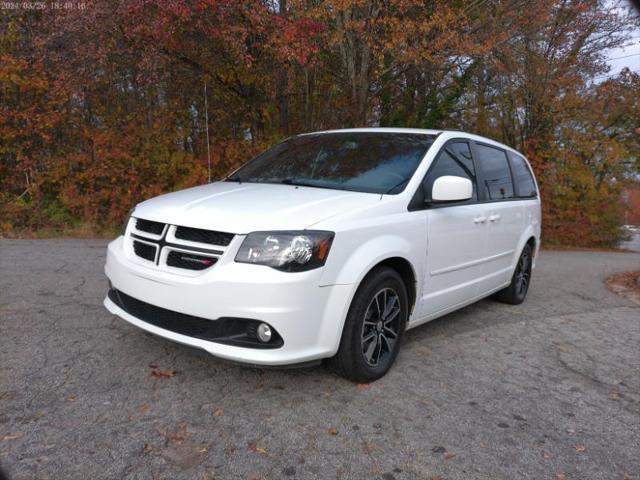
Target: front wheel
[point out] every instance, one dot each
(374, 327)
(516, 292)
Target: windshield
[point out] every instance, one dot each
(359, 161)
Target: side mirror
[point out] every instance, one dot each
(449, 188)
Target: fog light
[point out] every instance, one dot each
(264, 333)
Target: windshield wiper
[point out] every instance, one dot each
(299, 183)
(233, 179)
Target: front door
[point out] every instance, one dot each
(456, 238)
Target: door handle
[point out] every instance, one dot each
(480, 219)
(494, 218)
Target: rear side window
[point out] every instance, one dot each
(525, 186)
(455, 159)
(495, 171)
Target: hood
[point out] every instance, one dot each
(247, 207)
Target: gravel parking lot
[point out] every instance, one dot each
(546, 390)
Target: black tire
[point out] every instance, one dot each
(516, 292)
(366, 322)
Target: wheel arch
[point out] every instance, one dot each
(357, 255)
(532, 242)
(406, 272)
(528, 237)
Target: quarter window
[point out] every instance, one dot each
(495, 171)
(526, 187)
(455, 159)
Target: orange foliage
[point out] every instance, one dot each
(103, 107)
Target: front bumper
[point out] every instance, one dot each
(309, 318)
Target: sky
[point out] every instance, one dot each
(627, 56)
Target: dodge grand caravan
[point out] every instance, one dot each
(330, 245)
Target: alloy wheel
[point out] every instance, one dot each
(380, 327)
(523, 274)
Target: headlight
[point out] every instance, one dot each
(126, 222)
(289, 251)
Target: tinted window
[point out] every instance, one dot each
(526, 187)
(496, 173)
(454, 160)
(360, 161)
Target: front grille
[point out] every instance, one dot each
(155, 242)
(230, 331)
(149, 226)
(190, 261)
(144, 250)
(204, 236)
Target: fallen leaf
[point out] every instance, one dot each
(217, 412)
(10, 436)
(332, 431)
(449, 455)
(362, 386)
(179, 435)
(369, 446)
(163, 373)
(580, 448)
(255, 448)
(142, 408)
(72, 398)
(204, 450)
(560, 476)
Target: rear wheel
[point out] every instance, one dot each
(374, 327)
(516, 292)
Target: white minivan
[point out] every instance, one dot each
(329, 246)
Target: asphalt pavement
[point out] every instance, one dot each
(546, 390)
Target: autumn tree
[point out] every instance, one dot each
(102, 107)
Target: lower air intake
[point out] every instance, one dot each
(239, 332)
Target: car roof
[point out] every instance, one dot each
(450, 133)
(380, 130)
